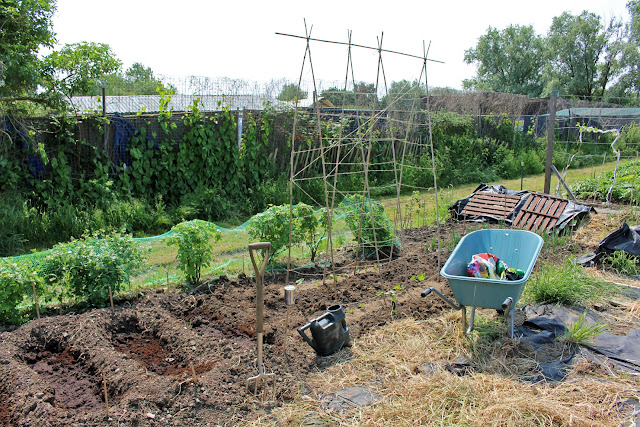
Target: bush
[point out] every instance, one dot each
(207, 204)
(86, 268)
(273, 226)
(193, 239)
(15, 282)
(368, 222)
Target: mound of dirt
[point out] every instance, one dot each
(141, 359)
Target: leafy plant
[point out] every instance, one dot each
(368, 222)
(579, 332)
(273, 226)
(193, 239)
(15, 282)
(88, 267)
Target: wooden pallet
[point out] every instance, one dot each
(540, 212)
(495, 205)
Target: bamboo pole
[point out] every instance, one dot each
(111, 300)
(35, 299)
(433, 159)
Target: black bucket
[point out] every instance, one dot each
(329, 332)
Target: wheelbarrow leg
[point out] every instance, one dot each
(471, 319)
(508, 312)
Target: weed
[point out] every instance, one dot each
(622, 263)
(579, 332)
(564, 284)
(555, 239)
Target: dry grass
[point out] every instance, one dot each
(388, 361)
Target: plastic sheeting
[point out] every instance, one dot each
(542, 330)
(626, 238)
(573, 211)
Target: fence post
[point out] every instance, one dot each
(551, 129)
(105, 127)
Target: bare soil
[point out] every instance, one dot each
(142, 357)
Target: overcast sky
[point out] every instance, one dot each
(238, 39)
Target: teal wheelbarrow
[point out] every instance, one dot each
(517, 248)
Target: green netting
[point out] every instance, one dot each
(231, 256)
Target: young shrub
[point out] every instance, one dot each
(193, 239)
(15, 282)
(272, 226)
(368, 222)
(86, 268)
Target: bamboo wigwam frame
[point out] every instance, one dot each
(362, 131)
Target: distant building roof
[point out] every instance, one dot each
(151, 103)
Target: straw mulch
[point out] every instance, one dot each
(497, 390)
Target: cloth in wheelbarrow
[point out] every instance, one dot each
(489, 266)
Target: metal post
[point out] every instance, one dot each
(551, 128)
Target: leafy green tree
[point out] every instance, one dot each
(583, 54)
(73, 69)
(366, 95)
(508, 61)
(136, 80)
(289, 92)
(363, 95)
(404, 95)
(25, 27)
(338, 97)
(629, 82)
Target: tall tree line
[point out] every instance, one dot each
(581, 55)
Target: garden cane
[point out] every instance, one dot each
(262, 376)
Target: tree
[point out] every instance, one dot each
(404, 95)
(136, 80)
(629, 82)
(583, 54)
(289, 92)
(73, 69)
(508, 61)
(25, 27)
(338, 97)
(363, 95)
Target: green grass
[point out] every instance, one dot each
(579, 332)
(564, 283)
(622, 263)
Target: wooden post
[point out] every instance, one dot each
(551, 129)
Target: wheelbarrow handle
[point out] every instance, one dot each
(426, 292)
